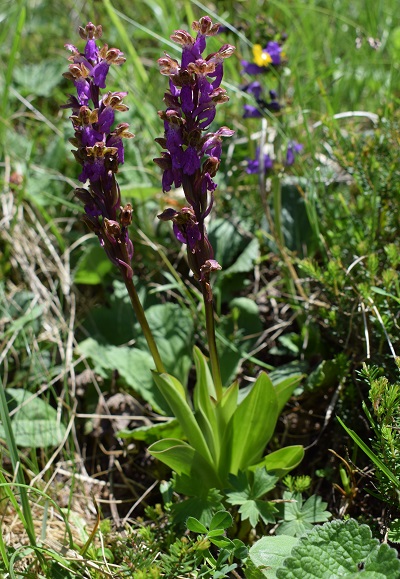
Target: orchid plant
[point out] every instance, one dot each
(224, 430)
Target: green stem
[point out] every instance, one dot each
(212, 345)
(141, 318)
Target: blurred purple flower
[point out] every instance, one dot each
(263, 58)
(292, 150)
(253, 165)
(99, 149)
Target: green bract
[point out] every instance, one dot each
(227, 436)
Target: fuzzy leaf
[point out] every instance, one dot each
(269, 553)
(340, 549)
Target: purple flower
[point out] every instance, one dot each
(292, 150)
(251, 112)
(263, 58)
(253, 165)
(99, 149)
(191, 158)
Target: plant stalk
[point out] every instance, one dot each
(141, 318)
(212, 345)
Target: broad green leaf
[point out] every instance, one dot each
(195, 526)
(172, 329)
(245, 260)
(227, 405)
(150, 434)
(176, 454)
(269, 553)
(221, 520)
(204, 402)
(282, 461)
(174, 394)
(35, 423)
(338, 549)
(93, 267)
(253, 424)
(134, 368)
(203, 373)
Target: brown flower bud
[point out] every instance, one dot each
(126, 215)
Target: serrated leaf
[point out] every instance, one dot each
(337, 549)
(254, 509)
(394, 531)
(299, 517)
(263, 483)
(35, 424)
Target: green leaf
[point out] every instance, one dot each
(221, 520)
(299, 517)
(247, 493)
(375, 459)
(282, 461)
(176, 454)
(150, 434)
(204, 397)
(195, 526)
(253, 510)
(201, 507)
(174, 394)
(248, 434)
(134, 368)
(338, 549)
(394, 531)
(172, 328)
(285, 388)
(93, 267)
(268, 553)
(35, 423)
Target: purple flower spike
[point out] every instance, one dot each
(99, 147)
(191, 158)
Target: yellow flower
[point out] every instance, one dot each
(261, 57)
